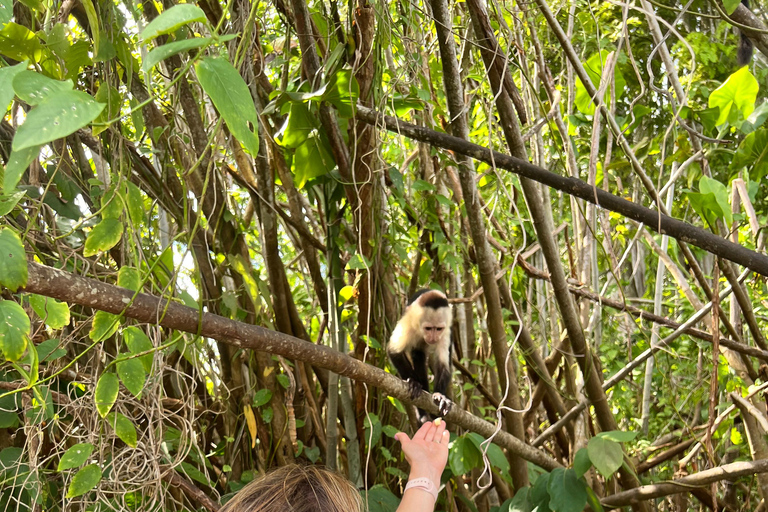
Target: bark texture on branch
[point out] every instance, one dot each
(700, 479)
(75, 289)
(660, 223)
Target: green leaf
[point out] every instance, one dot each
(231, 97)
(7, 203)
(106, 393)
(6, 13)
(113, 101)
(737, 95)
(594, 501)
(520, 502)
(138, 342)
(312, 159)
(104, 325)
(35, 88)
(131, 372)
(14, 330)
(13, 261)
(85, 480)
(57, 117)
(752, 154)
(380, 499)
(566, 492)
(342, 92)
(607, 456)
(539, 496)
(17, 164)
(20, 43)
(6, 80)
(730, 5)
(262, 397)
(581, 462)
(135, 205)
(300, 126)
(594, 68)
(104, 236)
(706, 206)
(620, 436)
(463, 456)
(161, 53)
(494, 453)
(55, 314)
(712, 186)
(172, 19)
(49, 350)
(129, 277)
(123, 427)
(75, 456)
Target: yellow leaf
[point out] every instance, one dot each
(268, 370)
(250, 420)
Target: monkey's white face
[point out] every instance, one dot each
(434, 324)
(432, 332)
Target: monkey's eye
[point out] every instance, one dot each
(428, 329)
(439, 329)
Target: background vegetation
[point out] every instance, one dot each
(224, 156)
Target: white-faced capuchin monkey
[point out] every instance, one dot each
(423, 335)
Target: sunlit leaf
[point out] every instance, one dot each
(232, 99)
(104, 236)
(737, 95)
(13, 261)
(123, 427)
(607, 456)
(35, 88)
(132, 374)
(75, 456)
(106, 393)
(57, 117)
(6, 81)
(172, 19)
(14, 330)
(17, 164)
(54, 313)
(137, 343)
(104, 325)
(84, 480)
(161, 53)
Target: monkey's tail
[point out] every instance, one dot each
(746, 48)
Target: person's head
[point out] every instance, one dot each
(296, 488)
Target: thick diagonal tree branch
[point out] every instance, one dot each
(75, 289)
(700, 479)
(659, 222)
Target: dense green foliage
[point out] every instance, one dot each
(205, 154)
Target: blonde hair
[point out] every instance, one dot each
(296, 488)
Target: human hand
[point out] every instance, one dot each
(427, 452)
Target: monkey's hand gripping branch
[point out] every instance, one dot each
(442, 402)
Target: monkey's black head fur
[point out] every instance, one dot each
(429, 299)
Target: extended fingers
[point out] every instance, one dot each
(424, 431)
(441, 435)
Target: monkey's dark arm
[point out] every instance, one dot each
(416, 373)
(443, 374)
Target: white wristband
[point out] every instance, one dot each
(424, 484)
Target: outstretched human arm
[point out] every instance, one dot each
(427, 453)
